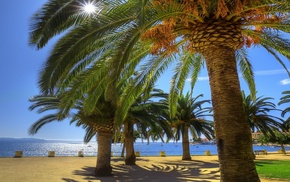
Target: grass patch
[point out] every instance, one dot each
(273, 169)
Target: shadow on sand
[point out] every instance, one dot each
(151, 171)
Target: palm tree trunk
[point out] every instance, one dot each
(233, 133)
(104, 167)
(283, 149)
(129, 144)
(123, 150)
(185, 145)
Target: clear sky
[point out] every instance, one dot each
(20, 65)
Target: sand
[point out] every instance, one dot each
(148, 169)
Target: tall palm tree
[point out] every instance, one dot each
(144, 113)
(258, 115)
(190, 117)
(214, 29)
(99, 123)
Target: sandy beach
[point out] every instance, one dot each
(148, 169)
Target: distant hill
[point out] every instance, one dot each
(21, 139)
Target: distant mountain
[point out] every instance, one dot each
(21, 139)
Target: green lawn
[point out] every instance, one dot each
(273, 169)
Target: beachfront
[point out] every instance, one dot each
(148, 169)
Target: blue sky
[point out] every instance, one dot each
(20, 65)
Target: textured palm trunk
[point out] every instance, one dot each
(233, 133)
(185, 145)
(129, 144)
(123, 150)
(283, 149)
(104, 167)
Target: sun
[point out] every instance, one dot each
(89, 8)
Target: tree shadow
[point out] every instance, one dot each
(150, 171)
(262, 163)
(122, 159)
(69, 180)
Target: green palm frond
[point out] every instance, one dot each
(197, 65)
(274, 43)
(246, 70)
(90, 133)
(34, 128)
(275, 55)
(148, 74)
(54, 17)
(178, 79)
(79, 51)
(283, 26)
(84, 43)
(57, 16)
(189, 65)
(44, 103)
(285, 99)
(201, 126)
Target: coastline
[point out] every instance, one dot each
(77, 169)
(72, 148)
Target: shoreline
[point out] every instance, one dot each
(147, 169)
(8, 149)
(20, 155)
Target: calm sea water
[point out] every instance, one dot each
(70, 148)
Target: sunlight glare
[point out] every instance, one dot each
(89, 8)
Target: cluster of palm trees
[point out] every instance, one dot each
(151, 120)
(149, 115)
(114, 54)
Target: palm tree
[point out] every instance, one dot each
(214, 29)
(259, 117)
(190, 117)
(99, 123)
(144, 113)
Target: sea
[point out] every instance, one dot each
(72, 148)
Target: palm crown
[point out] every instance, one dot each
(259, 117)
(191, 114)
(231, 23)
(101, 118)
